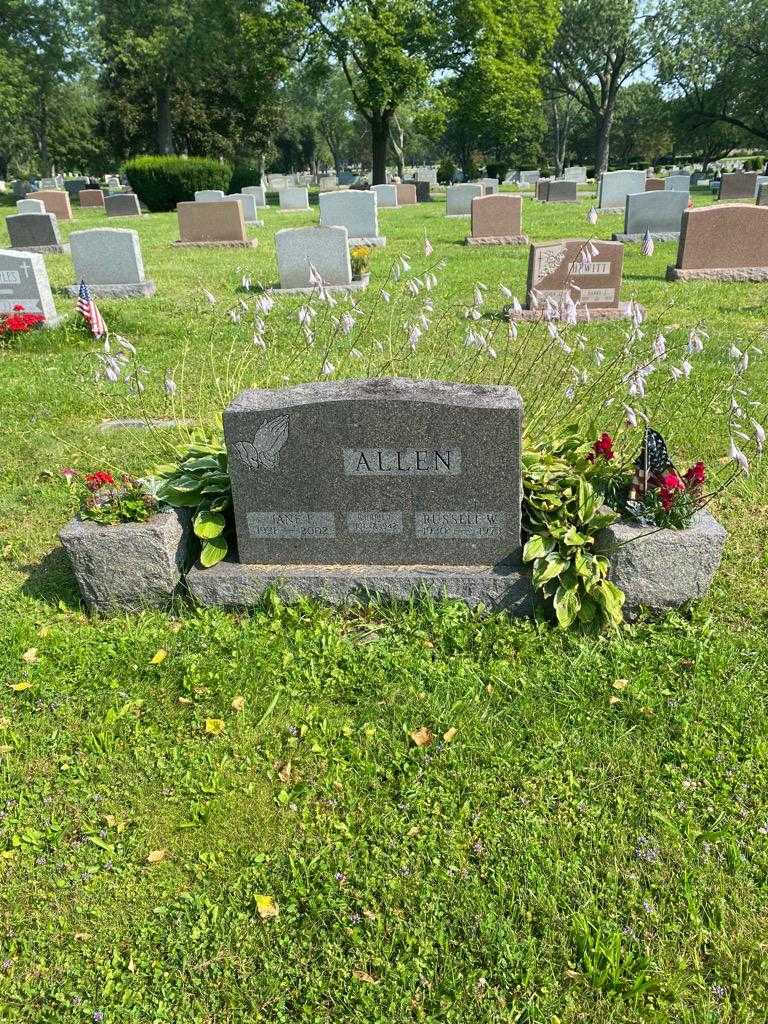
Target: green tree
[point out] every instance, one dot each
(600, 45)
(714, 59)
(642, 128)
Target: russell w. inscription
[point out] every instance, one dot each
(376, 472)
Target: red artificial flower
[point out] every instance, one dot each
(695, 476)
(603, 448)
(19, 309)
(94, 481)
(17, 322)
(669, 485)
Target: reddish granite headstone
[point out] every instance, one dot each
(654, 185)
(727, 242)
(587, 272)
(542, 188)
(406, 194)
(91, 197)
(741, 185)
(55, 202)
(219, 223)
(497, 220)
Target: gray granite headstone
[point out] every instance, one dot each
(355, 211)
(615, 186)
(36, 232)
(386, 195)
(660, 212)
(123, 205)
(376, 472)
(109, 261)
(575, 174)
(248, 203)
(561, 192)
(326, 249)
(24, 282)
(458, 199)
(762, 196)
(294, 197)
(678, 183)
(30, 206)
(209, 195)
(258, 192)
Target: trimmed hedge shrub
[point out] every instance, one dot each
(243, 175)
(161, 182)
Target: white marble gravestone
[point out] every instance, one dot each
(258, 192)
(386, 196)
(615, 186)
(24, 282)
(109, 261)
(294, 198)
(458, 199)
(209, 195)
(30, 206)
(248, 203)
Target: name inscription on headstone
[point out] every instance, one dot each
(378, 472)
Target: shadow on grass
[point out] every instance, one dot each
(51, 580)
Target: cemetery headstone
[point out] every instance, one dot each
(258, 192)
(762, 196)
(678, 183)
(490, 186)
(304, 252)
(577, 174)
(355, 211)
(654, 185)
(561, 192)
(75, 185)
(497, 220)
(109, 261)
(49, 183)
(24, 282)
(293, 198)
(423, 193)
(661, 213)
(218, 224)
(35, 232)
(458, 199)
(91, 197)
(529, 177)
(55, 202)
(209, 195)
(739, 185)
(386, 195)
(385, 487)
(406, 194)
(727, 242)
(30, 206)
(542, 188)
(328, 182)
(428, 174)
(248, 203)
(586, 274)
(615, 186)
(124, 205)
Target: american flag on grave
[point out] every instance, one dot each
(652, 461)
(88, 309)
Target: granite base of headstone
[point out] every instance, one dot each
(357, 490)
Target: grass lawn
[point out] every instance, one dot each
(586, 839)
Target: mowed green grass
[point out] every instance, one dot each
(590, 844)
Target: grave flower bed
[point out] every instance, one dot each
(127, 549)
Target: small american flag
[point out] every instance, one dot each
(88, 309)
(647, 246)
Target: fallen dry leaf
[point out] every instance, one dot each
(284, 772)
(238, 704)
(155, 856)
(214, 726)
(44, 631)
(267, 907)
(175, 626)
(449, 734)
(185, 700)
(359, 975)
(614, 700)
(159, 657)
(30, 656)
(422, 737)
(620, 684)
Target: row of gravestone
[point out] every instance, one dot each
(615, 186)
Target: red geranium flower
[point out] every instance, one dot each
(94, 481)
(603, 447)
(695, 476)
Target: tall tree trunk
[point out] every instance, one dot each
(164, 130)
(604, 140)
(379, 140)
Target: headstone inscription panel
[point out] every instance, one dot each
(376, 472)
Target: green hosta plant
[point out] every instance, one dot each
(562, 514)
(200, 480)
